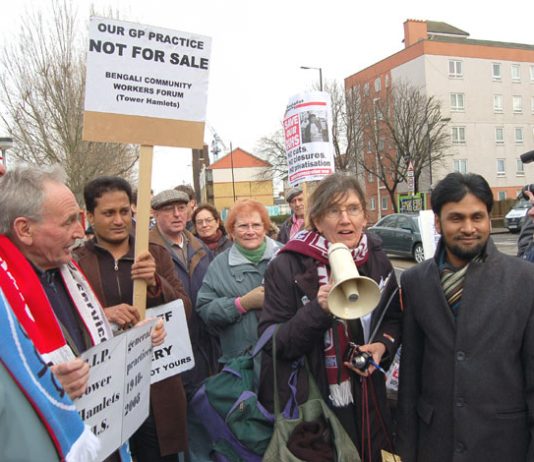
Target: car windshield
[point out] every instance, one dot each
(522, 204)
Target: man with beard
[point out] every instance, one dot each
(467, 366)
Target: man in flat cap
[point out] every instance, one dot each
(191, 259)
(295, 223)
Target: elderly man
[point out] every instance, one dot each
(39, 223)
(191, 259)
(107, 262)
(466, 376)
(295, 223)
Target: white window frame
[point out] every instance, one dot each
(517, 104)
(372, 203)
(499, 135)
(496, 75)
(378, 84)
(456, 69)
(521, 138)
(458, 135)
(457, 102)
(384, 203)
(501, 167)
(515, 72)
(460, 165)
(497, 103)
(519, 168)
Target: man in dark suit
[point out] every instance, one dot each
(467, 366)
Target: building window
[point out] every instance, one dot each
(502, 195)
(376, 106)
(531, 69)
(384, 201)
(497, 103)
(372, 203)
(517, 104)
(457, 102)
(519, 168)
(516, 73)
(366, 89)
(499, 135)
(460, 165)
(496, 71)
(370, 177)
(500, 167)
(518, 135)
(455, 69)
(378, 84)
(458, 135)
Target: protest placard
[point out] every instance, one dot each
(145, 84)
(308, 137)
(175, 355)
(116, 401)
(429, 234)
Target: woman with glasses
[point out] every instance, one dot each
(297, 284)
(231, 295)
(209, 228)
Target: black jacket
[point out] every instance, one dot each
(291, 285)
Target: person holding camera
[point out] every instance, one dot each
(297, 284)
(466, 371)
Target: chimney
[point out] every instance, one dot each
(414, 31)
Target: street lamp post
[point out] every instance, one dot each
(5, 144)
(320, 75)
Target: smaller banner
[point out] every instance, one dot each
(429, 235)
(116, 401)
(308, 137)
(175, 355)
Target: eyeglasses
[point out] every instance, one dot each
(206, 221)
(172, 207)
(336, 212)
(243, 228)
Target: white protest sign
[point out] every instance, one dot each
(308, 137)
(146, 82)
(103, 405)
(175, 355)
(137, 379)
(429, 235)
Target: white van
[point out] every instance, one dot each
(515, 218)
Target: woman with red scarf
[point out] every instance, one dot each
(210, 229)
(297, 284)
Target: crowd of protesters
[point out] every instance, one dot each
(464, 318)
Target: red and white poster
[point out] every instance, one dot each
(308, 137)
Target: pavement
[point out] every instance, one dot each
(495, 230)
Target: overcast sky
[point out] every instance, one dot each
(258, 48)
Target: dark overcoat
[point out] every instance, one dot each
(467, 384)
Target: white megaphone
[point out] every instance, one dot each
(352, 296)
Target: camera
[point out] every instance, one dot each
(528, 187)
(361, 360)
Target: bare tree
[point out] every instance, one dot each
(42, 90)
(402, 126)
(273, 149)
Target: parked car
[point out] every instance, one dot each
(517, 215)
(400, 235)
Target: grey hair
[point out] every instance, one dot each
(22, 193)
(330, 191)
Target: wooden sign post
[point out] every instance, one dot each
(145, 85)
(142, 221)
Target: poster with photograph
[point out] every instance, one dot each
(308, 137)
